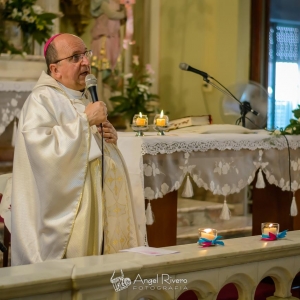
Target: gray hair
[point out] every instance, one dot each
(51, 56)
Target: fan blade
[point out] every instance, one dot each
(251, 92)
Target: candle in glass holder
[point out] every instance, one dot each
(207, 233)
(140, 120)
(161, 119)
(270, 227)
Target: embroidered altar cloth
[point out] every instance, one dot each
(221, 163)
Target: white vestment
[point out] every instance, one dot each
(58, 206)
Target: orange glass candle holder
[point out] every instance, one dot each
(139, 124)
(140, 120)
(161, 123)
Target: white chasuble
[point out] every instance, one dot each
(58, 206)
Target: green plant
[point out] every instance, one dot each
(293, 127)
(32, 20)
(134, 89)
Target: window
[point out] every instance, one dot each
(284, 75)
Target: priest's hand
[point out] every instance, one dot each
(96, 113)
(109, 133)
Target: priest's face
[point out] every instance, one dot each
(72, 64)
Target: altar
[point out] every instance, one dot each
(19, 75)
(221, 163)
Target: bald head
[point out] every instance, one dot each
(67, 61)
(53, 49)
(65, 43)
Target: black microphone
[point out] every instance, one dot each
(244, 106)
(186, 67)
(91, 85)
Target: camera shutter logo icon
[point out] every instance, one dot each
(120, 283)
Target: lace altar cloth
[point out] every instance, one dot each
(12, 97)
(221, 163)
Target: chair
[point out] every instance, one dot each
(4, 212)
(6, 242)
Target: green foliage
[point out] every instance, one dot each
(134, 89)
(293, 127)
(32, 20)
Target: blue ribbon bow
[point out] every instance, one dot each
(280, 235)
(215, 241)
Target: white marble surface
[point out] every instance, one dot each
(47, 277)
(85, 273)
(18, 68)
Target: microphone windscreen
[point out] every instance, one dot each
(90, 80)
(183, 66)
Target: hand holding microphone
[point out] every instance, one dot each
(97, 111)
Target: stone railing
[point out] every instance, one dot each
(243, 261)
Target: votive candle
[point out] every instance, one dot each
(161, 119)
(208, 233)
(270, 227)
(141, 120)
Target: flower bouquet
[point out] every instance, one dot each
(134, 89)
(35, 24)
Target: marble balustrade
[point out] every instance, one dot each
(243, 261)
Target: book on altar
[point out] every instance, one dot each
(190, 121)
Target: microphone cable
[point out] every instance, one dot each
(102, 162)
(91, 86)
(289, 160)
(186, 67)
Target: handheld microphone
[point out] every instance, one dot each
(91, 85)
(186, 67)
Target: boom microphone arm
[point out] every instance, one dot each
(245, 106)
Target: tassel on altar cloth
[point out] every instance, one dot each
(260, 182)
(294, 209)
(149, 214)
(225, 213)
(188, 191)
(14, 134)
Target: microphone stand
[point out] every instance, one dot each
(245, 107)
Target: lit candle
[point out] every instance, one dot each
(140, 121)
(161, 121)
(207, 234)
(270, 228)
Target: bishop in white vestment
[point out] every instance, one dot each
(59, 209)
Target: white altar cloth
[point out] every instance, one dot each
(221, 163)
(12, 97)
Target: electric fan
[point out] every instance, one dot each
(248, 93)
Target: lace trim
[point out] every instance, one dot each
(203, 146)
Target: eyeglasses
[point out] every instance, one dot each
(77, 57)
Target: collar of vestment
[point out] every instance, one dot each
(72, 94)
